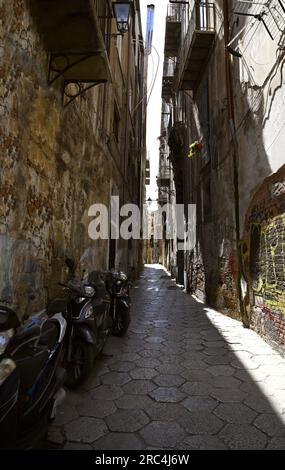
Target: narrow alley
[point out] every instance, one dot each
(184, 377)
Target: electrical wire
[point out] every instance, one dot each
(156, 73)
(152, 81)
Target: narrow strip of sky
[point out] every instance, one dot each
(154, 106)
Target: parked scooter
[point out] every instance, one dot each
(31, 378)
(88, 324)
(118, 286)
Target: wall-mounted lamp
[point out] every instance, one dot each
(122, 11)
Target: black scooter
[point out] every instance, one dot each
(88, 324)
(31, 378)
(118, 286)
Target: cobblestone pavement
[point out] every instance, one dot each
(184, 377)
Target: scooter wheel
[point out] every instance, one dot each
(81, 364)
(121, 323)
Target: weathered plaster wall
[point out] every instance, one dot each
(212, 266)
(53, 167)
(260, 109)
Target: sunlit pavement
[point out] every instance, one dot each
(185, 377)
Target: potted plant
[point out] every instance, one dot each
(194, 148)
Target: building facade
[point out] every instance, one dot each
(72, 134)
(226, 144)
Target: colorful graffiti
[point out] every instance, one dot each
(263, 252)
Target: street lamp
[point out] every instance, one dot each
(122, 10)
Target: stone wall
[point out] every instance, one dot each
(54, 165)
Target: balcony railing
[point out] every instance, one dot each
(174, 18)
(175, 13)
(196, 46)
(169, 67)
(163, 178)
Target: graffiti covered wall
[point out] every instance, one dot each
(264, 258)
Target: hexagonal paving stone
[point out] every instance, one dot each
(150, 353)
(221, 370)
(164, 411)
(96, 408)
(248, 364)
(65, 414)
(193, 356)
(168, 368)
(134, 402)
(193, 375)
(195, 364)
(167, 394)
(243, 436)
(143, 373)
(172, 359)
(139, 387)
(118, 441)
(199, 403)
(200, 422)
(270, 424)
(169, 380)
(277, 443)
(223, 381)
(228, 395)
(203, 443)
(153, 346)
(127, 357)
(120, 366)
(277, 369)
(54, 437)
(214, 344)
(218, 360)
(154, 339)
(106, 392)
(221, 351)
(162, 434)
(235, 413)
(265, 359)
(85, 430)
(152, 363)
(127, 420)
(116, 378)
(197, 388)
(191, 347)
(258, 403)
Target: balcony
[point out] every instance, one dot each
(196, 47)
(163, 178)
(73, 33)
(168, 76)
(173, 29)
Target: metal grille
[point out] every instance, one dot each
(271, 13)
(247, 7)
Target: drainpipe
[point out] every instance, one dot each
(231, 114)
